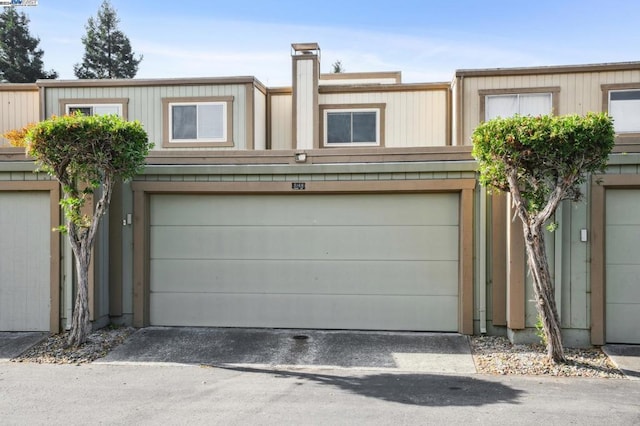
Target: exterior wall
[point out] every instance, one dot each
(344, 178)
(280, 121)
(305, 106)
(144, 103)
(19, 106)
(413, 118)
(580, 92)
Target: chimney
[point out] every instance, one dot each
(306, 72)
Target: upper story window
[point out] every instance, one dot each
(191, 122)
(624, 107)
(95, 106)
(95, 109)
(523, 104)
(525, 101)
(352, 125)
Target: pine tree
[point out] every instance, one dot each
(20, 58)
(107, 49)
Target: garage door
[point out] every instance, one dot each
(623, 266)
(24, 261)
(379, 262)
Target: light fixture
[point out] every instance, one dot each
(301, 157)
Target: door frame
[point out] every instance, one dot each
(143, 189)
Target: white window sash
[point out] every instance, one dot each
(208, 128)
(625, 113)
(351, 110)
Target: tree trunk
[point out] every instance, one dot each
(544, 290)
(80, 324)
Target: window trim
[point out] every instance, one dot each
(621, 138)
(553, 90)
(378, 108)
(123, 103)
(167, 141)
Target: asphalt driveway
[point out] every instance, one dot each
(397, 351)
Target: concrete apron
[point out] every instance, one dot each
(13, 344)
(626, 358)
(399, 351)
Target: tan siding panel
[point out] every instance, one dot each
(17, 109)
(413, 118)
(281, 124)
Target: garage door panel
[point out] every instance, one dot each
(329, 312)
(313, 277)
(25, 232)
(623, 207)
(625, 284)
(270, 210)
(622, 266)
(625, 330)
(623, 242)
(362, 261)
(362, 242)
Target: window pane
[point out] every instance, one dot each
(626, 115)
(339, 127)
(625, 95)
(500, 106)
(535, 104)
(364, 127)
(210, 121)
(83, 110)
(184, 122)
(106, 109)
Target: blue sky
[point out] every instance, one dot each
(426, 40)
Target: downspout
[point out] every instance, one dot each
(482, 255)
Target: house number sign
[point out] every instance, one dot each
(298, 186)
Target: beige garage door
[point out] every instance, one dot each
(24, 261)
(623, 266)
(379, 262)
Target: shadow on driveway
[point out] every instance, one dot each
(413, 389)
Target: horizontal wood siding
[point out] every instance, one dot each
(281, 122)
(145, 105)
(18, 108)
(412, 118)
(579, 93)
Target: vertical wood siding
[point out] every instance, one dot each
(17, 109)
(281, 122)
(413, 118)
(579, 93)
(145, 105)
(260, 120)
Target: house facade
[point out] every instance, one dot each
(346, 201)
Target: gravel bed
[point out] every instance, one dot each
(54, 349)
(497, 355)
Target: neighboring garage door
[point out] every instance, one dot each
(350, 261)
(25, 233)
(623, 266)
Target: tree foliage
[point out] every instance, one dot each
(86, 154)
(337, 67)
(542, 161)
(108, 51)
(20, 57)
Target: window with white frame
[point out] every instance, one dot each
(624, 107)
(196, 122)
(508, 105)
(94, 109)
(352, 126)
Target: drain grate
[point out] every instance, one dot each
(300, 337)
